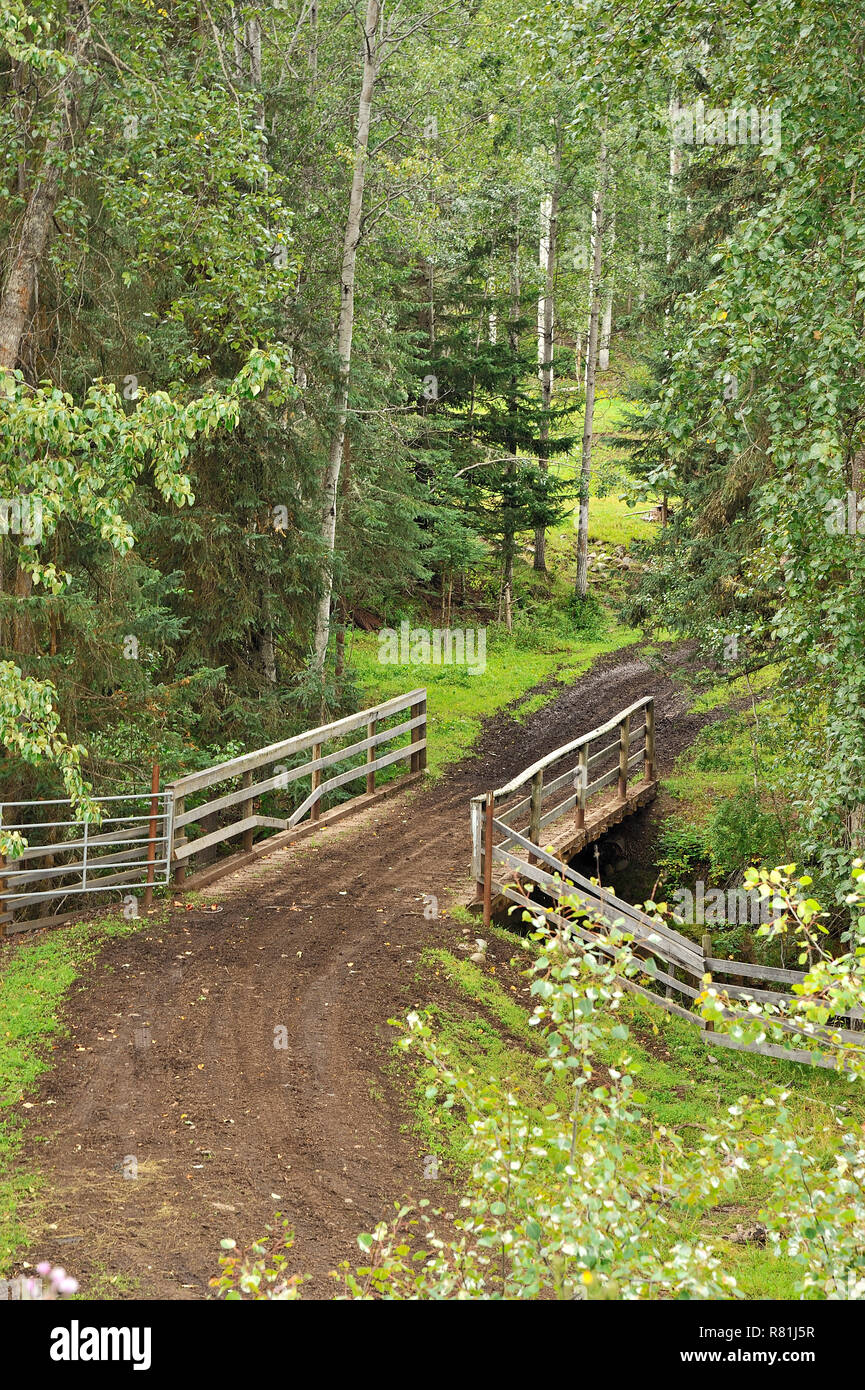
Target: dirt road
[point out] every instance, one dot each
(171, 1068)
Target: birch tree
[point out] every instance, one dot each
(546, 319)
(591, 367)
(372, 52)
(607, 319)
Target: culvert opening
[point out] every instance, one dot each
(623, 860)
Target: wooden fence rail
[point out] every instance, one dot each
(232, 812)
(591, 763)
(195, 814)
(679, 964)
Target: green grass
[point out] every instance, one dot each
(724, 692)
(686, 1084)
(34, 978)
(720, 761)
(458, 702)
(489, 1035)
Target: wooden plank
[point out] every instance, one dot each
(371, 730)
(759, 972)
(352, 775)
(247, 810)
(666, 1004)
(624, 745)
(604, 781)
(582, 784)
(315, 811)
(477, 820)
(784, 1054)
(772, 996)
(669, 933)
(234, 767)
(418, 737)
(592, 938)
(507, 817)
(526, 776)
(604, 752)
(633, 925)
(673, 982)
(282, 779)
(822, 1031)
(536, 799)
(227, 832)
(536, 909)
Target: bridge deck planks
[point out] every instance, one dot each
(566, 838)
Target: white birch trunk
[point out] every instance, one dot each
(345, 327)
(546, 323)
(29, 244)
(607, 320)
(591, 360)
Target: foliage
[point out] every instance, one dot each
(578, 1201)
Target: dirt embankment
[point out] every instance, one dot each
(238, 1056)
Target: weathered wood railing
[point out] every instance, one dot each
(679, 964)
(232, 812)
(599, 762)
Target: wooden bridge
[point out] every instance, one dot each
(580, 775)
(526, 876)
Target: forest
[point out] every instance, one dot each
(508, 354)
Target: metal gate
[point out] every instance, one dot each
(70, 857)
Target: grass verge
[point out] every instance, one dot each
(34, 978)
(687, 1085)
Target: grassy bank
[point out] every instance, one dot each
(35, 977)
(480, 1013)
(553, 641)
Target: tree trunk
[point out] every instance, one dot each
(856, 818)
(19, 292)
(546, 321)
(591, 361)
(607, 320)
(345, 329)
(509, 538)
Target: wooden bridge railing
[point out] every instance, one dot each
(679, 965)
(599, 762)
(234, 806)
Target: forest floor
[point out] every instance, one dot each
(170, 1058)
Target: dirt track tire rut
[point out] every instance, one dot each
(226, 1128)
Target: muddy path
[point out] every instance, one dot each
(171, 1071)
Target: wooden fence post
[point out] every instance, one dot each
(649, 749)
(246, 809)
(151, 836)
(477, 817)
(582, 785)
(624, 749)
(418, 759)
(315, 810)
(535, 817)
(179, 839)
(707, 952)
(488, 862)
(371, 731)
